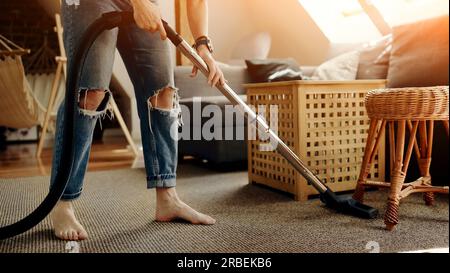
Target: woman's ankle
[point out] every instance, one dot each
(64, 204)
(166, 194)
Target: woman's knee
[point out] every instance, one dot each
(91, 99)
(164, 99)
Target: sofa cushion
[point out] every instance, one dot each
(340, 68)
(261, 70)
(374, 59)
(420, 54)
(308, 71)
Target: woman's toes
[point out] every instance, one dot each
(74, 235)
(82, 235)
(70, 235)
(210, 220)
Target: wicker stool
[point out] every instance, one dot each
(416, 109)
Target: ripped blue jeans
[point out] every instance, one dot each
(147, 59)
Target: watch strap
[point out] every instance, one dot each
(204, 40)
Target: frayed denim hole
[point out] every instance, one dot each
(104, 109)
(175, 112)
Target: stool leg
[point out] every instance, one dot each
(426, 147)
(366, 164)
(397, 179)
(411, 144)
(391, 145)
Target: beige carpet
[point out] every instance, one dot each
(118, 213)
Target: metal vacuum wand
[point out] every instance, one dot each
(255, 119)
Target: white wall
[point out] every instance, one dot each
(229, 21)
(294, 33)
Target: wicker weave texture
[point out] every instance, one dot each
(419, 103)
(326, 125)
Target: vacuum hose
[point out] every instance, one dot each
(112, 20)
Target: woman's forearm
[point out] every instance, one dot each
(198, 17)
(198, 21)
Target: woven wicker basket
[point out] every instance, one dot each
(325, 123)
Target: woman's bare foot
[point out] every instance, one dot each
(65, 224)
(169, 207)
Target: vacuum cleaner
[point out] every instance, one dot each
(108, 21)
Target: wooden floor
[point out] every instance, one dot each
(19, 160)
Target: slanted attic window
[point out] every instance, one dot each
(397, 12)
(346, 21)
(342, 21)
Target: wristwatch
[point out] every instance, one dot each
(204, 40)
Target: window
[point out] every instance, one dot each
(397, 12)
(345, 21)
(342, 21)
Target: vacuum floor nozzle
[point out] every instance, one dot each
(347, 205)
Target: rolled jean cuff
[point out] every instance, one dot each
(71, 196)
(162, 181)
